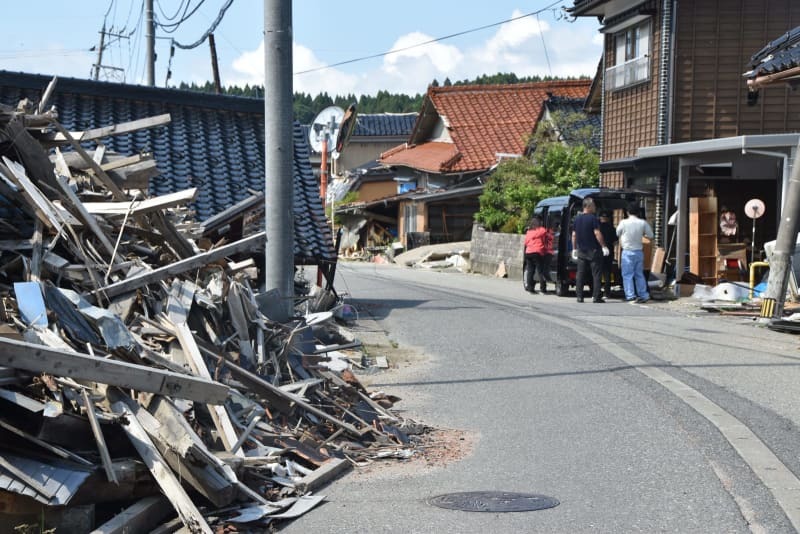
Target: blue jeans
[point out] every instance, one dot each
(633, 275)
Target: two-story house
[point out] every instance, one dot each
(678, 118)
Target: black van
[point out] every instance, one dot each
(558, 213)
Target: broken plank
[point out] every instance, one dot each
(182, 266)
(44, 209)
(262, 387)
(141, 516)
(169, 484)
(329, 471)
(106, 131)
(138, 207)
(98, 436)
(185, 452)
(87, 218)
(41, 359)
(218, 413)
(99, 174)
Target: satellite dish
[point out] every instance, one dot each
(325, 124)
(754, 208)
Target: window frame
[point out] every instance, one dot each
(631, 63)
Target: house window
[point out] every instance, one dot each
(631, 57)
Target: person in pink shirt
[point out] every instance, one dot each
(538, 253)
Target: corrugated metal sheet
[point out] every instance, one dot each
(61, 482)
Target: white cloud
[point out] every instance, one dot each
(522, 47)
(441, 56)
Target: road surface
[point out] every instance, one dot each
(637, 418)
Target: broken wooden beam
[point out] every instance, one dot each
(106, 131)
(260, 386)
(141, 516)
(138, 207)
(219, 414)
(330, 470)
(169, 484)
(42, 359)
(182, 266)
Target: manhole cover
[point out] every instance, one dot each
(493, 501)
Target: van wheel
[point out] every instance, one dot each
(562, 288)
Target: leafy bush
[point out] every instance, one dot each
(517, 185)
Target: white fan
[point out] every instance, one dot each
(754, 208)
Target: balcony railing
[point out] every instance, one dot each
(628, 73)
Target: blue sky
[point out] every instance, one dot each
(54, 37)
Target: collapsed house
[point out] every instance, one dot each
(143, 385)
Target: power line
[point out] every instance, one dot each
(209, 31)
(431, 41)
(544, 45)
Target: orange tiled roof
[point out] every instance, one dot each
(428, 157)
(483, 120)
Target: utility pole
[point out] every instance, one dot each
(214, 65)
(785, 244)
(100, 52)
(279, 155)
(150, 37)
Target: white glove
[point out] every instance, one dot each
(606, 252)
(575, 254)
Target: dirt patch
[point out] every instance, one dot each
(436, 449)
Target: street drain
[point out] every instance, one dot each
(493, 501)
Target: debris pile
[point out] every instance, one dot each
(142, 384)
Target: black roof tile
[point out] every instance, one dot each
(213, 142)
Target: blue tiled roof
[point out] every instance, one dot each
(384, 125)
(589, 120)
(779, 55)
(214, 143)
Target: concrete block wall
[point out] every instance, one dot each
(488, 249)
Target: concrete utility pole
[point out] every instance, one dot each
(279, 153)
(781, 260)
(150, 37)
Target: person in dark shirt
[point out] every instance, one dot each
(609, 237)
(588, 249)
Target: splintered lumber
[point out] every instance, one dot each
(262, 387)
(185, 452)
(182, 266)
(219, 414)
(169, 484)
(106, 131)
(99, 174)
(329, 471)
(98, 436)
(87, 218)
(138, 207)
(141, 516)
(42, 359)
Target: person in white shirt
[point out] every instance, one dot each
(631, 231)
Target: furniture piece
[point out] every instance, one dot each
(703, 238)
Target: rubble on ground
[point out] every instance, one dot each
(143, 386)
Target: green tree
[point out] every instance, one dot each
(517, 185)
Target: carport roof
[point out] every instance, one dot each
(742, 142)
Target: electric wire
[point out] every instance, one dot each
(209, 31)
(184, 18)
(544, 45)
(430, 41)
(177, 12)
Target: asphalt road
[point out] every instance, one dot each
(644, 418)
